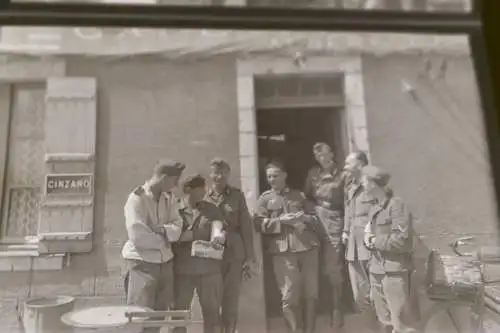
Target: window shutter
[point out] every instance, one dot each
(67, 207)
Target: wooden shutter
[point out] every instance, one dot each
(67, 207)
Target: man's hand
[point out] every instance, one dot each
(369, 240)
(345, 237)
(159, 229)
(288, 217)
(219, 241)
(249, 268)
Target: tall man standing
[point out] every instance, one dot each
(239, 251)
(152, 224)
(325, 187)
(202, 221)
(389, 235)
(357, 208)
(283, 215)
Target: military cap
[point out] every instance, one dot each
(169, 168)
(219, 163)
(193, 181)
(379, 176)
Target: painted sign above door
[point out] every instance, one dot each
(185, 42)
(68, 184)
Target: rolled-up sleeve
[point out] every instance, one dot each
(173, 227)
(138, 231)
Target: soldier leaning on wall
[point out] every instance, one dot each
(152, 223)
(325, 188)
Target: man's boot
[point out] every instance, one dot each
(337, 313)
(310, 316)
(293, 318)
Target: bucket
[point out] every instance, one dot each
(43, 314)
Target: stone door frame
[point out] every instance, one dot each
(354, 118)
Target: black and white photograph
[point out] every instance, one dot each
(176, 180)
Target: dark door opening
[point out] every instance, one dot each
(289, 135)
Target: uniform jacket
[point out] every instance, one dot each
(239, 230)
(142, 212)
(280, 237)
(392, 226)
(325, 188)
(199, 221)
(357, 210)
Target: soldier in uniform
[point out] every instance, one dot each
(152, 223)
(284, 216)
(239, 252)
(389, 236)
(201, 221)
(325, 187)
(357, 207)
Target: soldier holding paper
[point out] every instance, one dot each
(239, 252)
(198, 255)
(284, 216)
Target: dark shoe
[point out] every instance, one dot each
(310, 317)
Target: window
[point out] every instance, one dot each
(430, 5)
(24, 168)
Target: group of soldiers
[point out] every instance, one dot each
(162, 270)
(342, 216)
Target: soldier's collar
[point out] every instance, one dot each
(286, 189)
(213, 193)
(149, 192)
(334, 170)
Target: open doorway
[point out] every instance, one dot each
(289, 134)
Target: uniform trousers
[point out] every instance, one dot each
(150, 285)
(297, 278)
(209, 289)
(360, 283)
(232, 274)
(391, 296)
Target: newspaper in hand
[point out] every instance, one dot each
(208, 250)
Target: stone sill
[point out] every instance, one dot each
(24, 262)
(26, 257)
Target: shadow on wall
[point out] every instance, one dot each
(425, 128)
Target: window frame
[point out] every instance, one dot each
(6, 188)
(480, 30)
